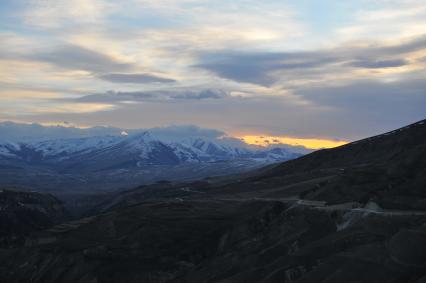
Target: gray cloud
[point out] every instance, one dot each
(203, 94)
(237, 69)
(134, 78)
(374, 64)
(79, 58)
(116, 97)
(259, 67)
(416, 44)
(256, 67)
(153, 96)
(365, 103)
(183, 132)
(106, 68)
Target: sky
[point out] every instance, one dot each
(306, 71)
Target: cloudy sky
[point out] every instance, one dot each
(306, 69)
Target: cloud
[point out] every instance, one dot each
(385, 20)
(203, 94)
(116, 97)
(256, 67)
(135, 78)
(268, 68)
(69, 108)
(18, 132)
(347, 111)
(367, 101)
(301, 69)
(63, 13)
(153, 96)
(371, 64)
(80, 58)
(228, 23)
(13, 131)
(235, 115)
(184, 132)
(404, 46)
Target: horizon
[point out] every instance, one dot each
(185, 130)
(175, 133)
(305, 73)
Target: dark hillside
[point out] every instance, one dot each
(356, 213)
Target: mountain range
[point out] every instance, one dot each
(124, 160)
(140, 148)
(356, 213)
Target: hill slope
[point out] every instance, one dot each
(351, 214)
(22, 213)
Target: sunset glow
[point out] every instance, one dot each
(332, 71)
(308, 143)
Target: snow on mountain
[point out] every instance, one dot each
(102, 149)
(65, 147)
(7, 149)
(136, 150)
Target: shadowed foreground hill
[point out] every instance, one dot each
(22, 213)
(356, 213)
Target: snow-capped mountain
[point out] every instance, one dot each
(123, 159)
(132, 151)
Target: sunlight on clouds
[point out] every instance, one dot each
(59, 13)
(71, 108)
(24, 102)
(13, 94)
(228, 25)
(260, 35)
(15, 71)
(391, 20)
(383, 73)
(64, 124)
(35, 74)
(390, 14)
(308, 143)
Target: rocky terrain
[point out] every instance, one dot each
(356, 213)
